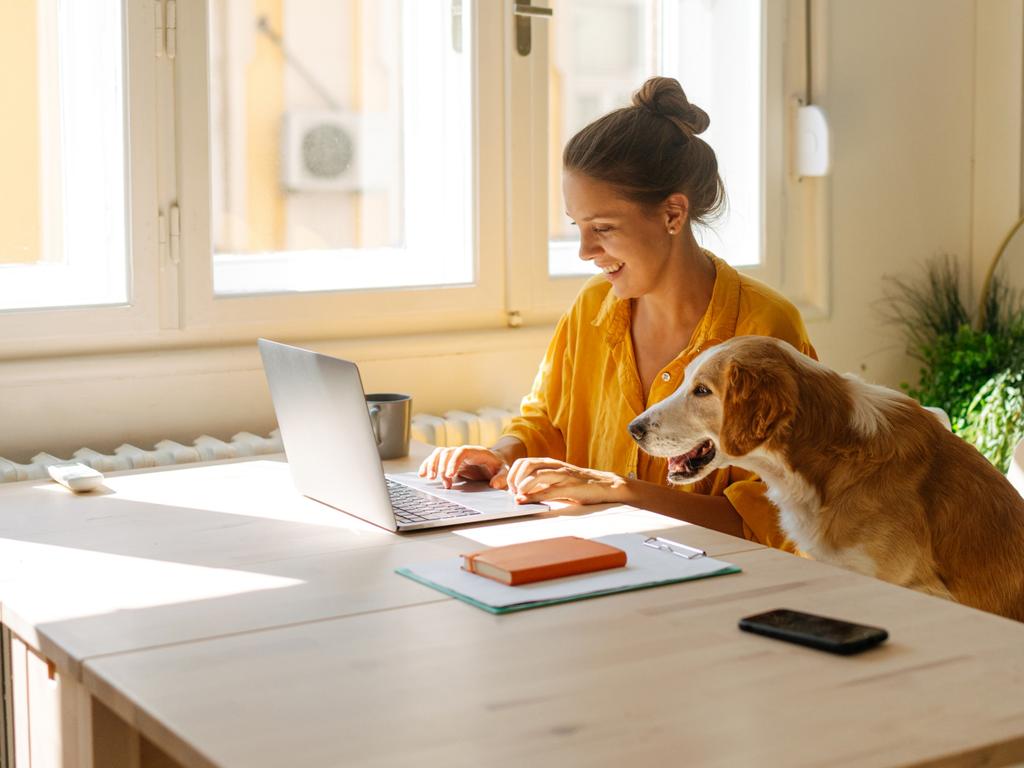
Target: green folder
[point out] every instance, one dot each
(647, 566)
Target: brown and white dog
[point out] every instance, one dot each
(863, 476)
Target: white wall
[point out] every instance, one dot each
(899, 95)
(899, 87)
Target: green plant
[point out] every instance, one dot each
(972, 370)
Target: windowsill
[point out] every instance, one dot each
(164, 363)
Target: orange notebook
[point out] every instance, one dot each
(545, 559)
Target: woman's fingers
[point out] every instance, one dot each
(429, 466)
(459, 460)
(500, 479)
(548, 484)
(473, 462)
(524, 468)
(558, 480)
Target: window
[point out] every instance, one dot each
(332, 168)
(337, 168)
(62, 217)
(713, 47)
(341, 145)
(728, 55)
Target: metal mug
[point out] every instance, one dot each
(390, 414)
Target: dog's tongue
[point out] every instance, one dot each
(677, 463)
(681, 463)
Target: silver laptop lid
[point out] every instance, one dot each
(326, 430)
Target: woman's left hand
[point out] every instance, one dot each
(535, 479)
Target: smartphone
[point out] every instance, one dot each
(820, 632)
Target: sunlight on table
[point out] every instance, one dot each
(138, 582)
(620, 519)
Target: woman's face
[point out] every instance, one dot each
(630, 243)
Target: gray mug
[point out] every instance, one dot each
(390, 415)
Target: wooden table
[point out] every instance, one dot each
(203, 551)
(208, 615)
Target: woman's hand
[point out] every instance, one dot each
(549, 479)
(472, 462)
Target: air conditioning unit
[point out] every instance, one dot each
(324, 150)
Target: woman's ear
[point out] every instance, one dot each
(677, 212)
(758, 402)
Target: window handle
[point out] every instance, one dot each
(525, 12)
(525, 9)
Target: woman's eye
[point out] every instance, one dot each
(601, 229)
(700, 390)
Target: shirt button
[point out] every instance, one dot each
(631, 475)
(666, 376)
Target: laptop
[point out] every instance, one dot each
(328, 438)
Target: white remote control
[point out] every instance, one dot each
(77, 477)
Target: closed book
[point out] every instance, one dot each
(545, 559)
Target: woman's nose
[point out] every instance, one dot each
(588, 249)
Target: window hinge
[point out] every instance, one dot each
(163, 241)
(456, 11)
(158, 27)
(175, 238)
(172, 28)
(165, 27)
(515, 319)
(170, 236)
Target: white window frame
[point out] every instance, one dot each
(336, 314)
(171, 286)
(65, 329)
(794, 257)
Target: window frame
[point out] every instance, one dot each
(336, 314)
(58, 330)
(171, 302)
(535, 296)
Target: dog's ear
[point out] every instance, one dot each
(758, 403)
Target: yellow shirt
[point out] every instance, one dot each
(588, 390)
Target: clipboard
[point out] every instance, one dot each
(651, 562)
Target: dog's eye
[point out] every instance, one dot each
(701, 391)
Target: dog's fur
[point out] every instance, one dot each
(863, 476)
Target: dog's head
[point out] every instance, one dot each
(735, 397)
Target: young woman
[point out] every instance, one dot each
(635, 182)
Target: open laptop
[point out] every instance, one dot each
(328, 438)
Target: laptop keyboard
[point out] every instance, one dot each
(415, 506)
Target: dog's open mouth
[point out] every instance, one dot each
(687, 465)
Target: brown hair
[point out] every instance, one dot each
(651, 150)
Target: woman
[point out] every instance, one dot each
(635, 182)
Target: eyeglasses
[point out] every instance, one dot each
(674, 548)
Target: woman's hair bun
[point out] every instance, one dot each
(664, 96)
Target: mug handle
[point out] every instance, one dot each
(375, 422)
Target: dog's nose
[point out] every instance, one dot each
(638, 429)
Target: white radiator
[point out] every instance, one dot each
(453, 428)
(203, 448)
(461, 427)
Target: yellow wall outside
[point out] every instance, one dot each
(265, 104)
(20, 215)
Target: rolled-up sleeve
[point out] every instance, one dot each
(747, 494)
(535, 426)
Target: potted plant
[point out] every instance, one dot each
(972, 363)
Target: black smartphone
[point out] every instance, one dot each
(820, 632)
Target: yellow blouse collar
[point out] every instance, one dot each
(717, 324)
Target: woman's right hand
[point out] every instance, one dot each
(472, 462)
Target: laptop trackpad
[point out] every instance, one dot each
(470, 493)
